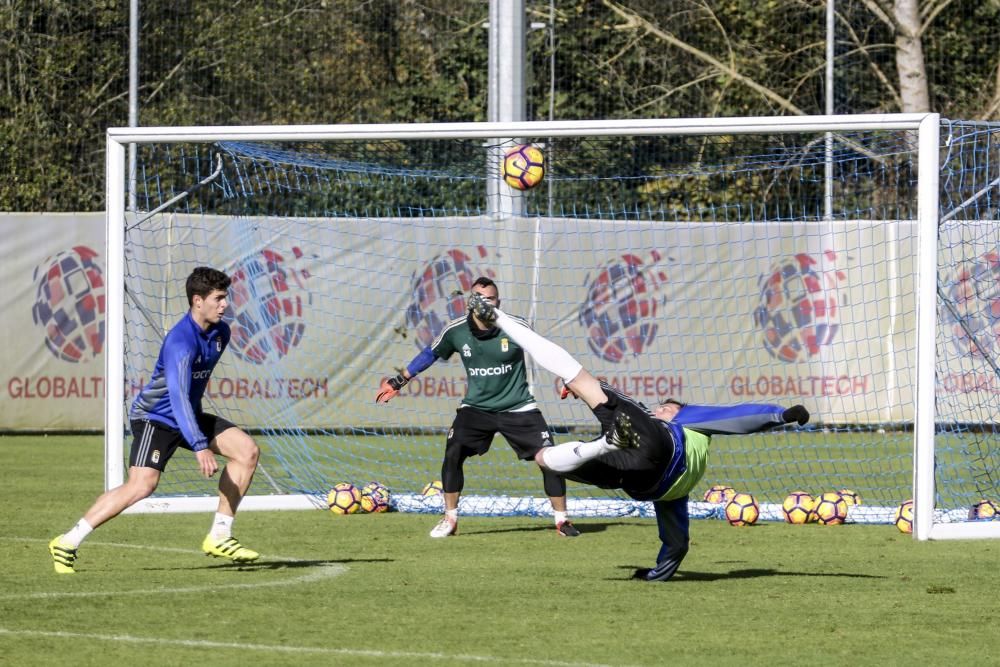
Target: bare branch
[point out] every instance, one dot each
(634, 21)
(883, 13)
(872, 65)
(994, 107)
(930, 12)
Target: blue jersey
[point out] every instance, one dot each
(173, 394)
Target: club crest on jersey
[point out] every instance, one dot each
(218, 345)
(504, 345)
(466, 350)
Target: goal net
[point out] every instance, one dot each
(850, 264)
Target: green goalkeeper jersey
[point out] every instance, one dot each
(494, 365)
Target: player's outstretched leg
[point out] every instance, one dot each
(63, 556)
(228, 548)
(623, 435)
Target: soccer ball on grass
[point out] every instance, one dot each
(344, 498)
(830, 509)
(984, 510)
(797, 507)
(742, 510)
(374, 498)
(850, 497)
(434, 488)
(523, 167)
(903, 518)
(720, 493)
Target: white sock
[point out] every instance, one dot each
(77, 534)
(547, 354)
(558, 516)
(571, 455)
(452, 514)
(222, 527)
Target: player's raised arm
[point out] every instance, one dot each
(390, 386)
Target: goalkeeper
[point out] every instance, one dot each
(654, 455)
(497, 400)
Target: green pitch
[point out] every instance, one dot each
(376, 590)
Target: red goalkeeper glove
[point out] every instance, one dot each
(390, 388)
(566, 392)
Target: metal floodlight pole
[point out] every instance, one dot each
(506, 93)
(133, 94)
(828, 161)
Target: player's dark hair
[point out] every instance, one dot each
(483, 281)
(203, 281)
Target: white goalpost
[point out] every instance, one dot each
(694, 258)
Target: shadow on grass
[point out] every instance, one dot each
(585, 526)
(748, 573)
(264, 565)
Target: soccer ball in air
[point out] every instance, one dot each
(742, 510)
(850, 497)
(903, 517)
(434, 488)
(797, 507)
(720, 493)
(374, 498)
(344, 498)
(830, 509)
(984, 509)
(523, 167)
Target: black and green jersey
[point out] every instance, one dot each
(494, 365)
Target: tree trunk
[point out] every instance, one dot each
(910, 58)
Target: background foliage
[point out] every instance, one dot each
(212, 62)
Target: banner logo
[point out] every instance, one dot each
(971, 307)
(619, 312)
(800, 300)
(439, 291)
(267, 302)
(70, 304)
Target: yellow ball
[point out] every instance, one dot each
(830, 509)
(374, 498)
(797, 507)
(742, 510)
(903, 518)
(984, 510)
(720, 493)
(344, 498)
(850, 497)
(523, 167)
(434, 488)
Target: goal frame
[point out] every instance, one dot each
(927, 129)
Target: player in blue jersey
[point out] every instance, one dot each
(167, 414)
(656, 455)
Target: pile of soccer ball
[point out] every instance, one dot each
(346, 498)
(799, 507)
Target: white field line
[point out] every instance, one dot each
(312, 650)
(322, 571)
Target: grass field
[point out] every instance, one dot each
(375, 589)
